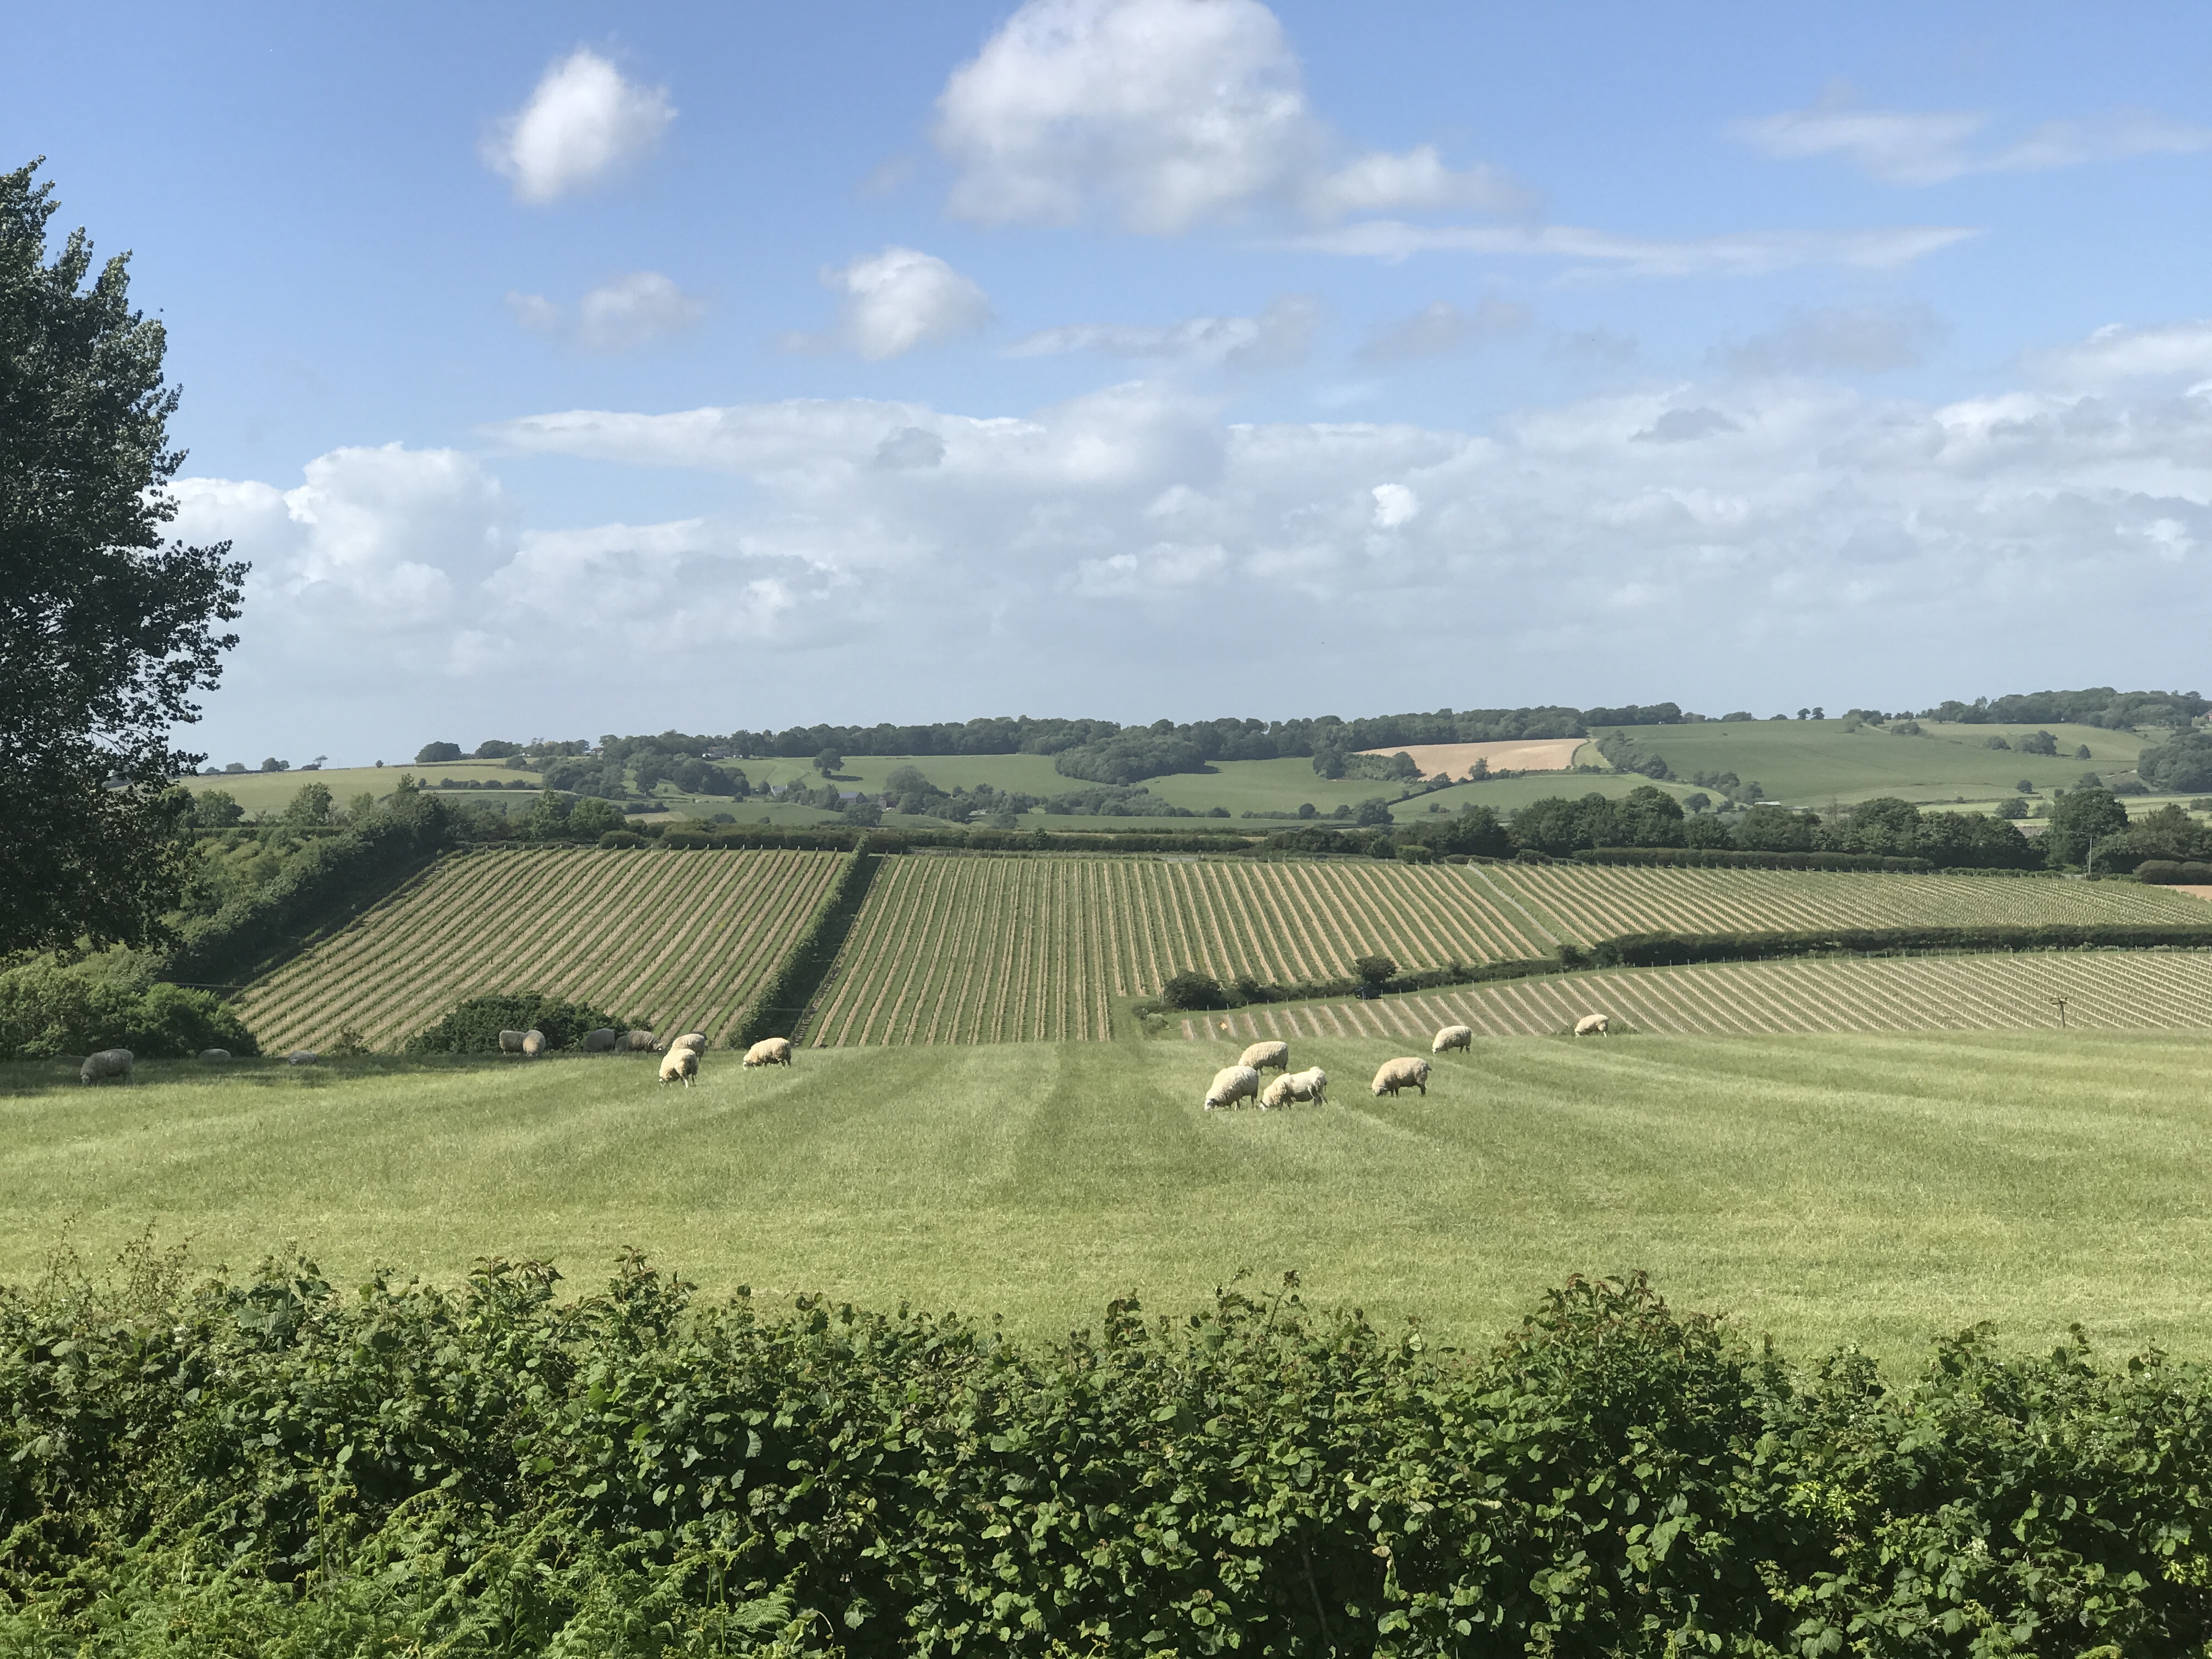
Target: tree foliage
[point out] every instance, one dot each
(107, 631)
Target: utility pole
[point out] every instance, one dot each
(2061, 1001)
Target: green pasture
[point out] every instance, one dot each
(1807, 763)
(1827, 1189)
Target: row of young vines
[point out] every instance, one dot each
(2111, 990)
(1585, 905)
(677, 941)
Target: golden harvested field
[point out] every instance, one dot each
(2111, 990)
(1520, 754)
(675, 940)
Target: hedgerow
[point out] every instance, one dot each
(276, 1467)
(474, 1025)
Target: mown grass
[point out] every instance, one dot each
(1872, 1189)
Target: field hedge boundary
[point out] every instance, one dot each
(1661, 949)
(1715, 858)
(784, 996)
(269, 1465)
(832, 837)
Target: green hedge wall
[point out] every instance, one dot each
(1705, 858)
(1655, 950)
(271, 1466)
(781, 1001)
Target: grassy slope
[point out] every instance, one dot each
(1804, 762)
(1872, 1189)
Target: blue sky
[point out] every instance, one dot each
(566, 369)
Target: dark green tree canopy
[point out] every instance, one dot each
(107, 631)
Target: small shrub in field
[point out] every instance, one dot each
(1374, 971)
(1190, 990)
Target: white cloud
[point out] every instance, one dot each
(1905, 148)
(581, 129)
(621, 315)
(2114, 355)
(1743, 253)
(584, 126)
(893, 545)
(1394, 505)
(1163, 114)
(1442, 327)
(1851, 339)
(1280, 335)
(896, 300)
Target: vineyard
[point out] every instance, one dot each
(965, 950)
(1010, 950)
(2111, 990)
(675, 940)
(1583, 904)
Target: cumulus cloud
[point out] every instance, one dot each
(1282, 334)
(904, 543)
(1908, 148)
(1682, 426)
(1442, 327)
(2115, 355)
(1394, 505)
(585, 126)
(1847, 340)
(1163, 114)
(1744, 254)
(620, 315)
(896, 300)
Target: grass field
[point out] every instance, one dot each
(2107, 990)
(963, 949)
(677, 941)
(1874, 1189)
(1807, 763)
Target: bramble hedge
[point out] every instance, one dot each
(273, 1466)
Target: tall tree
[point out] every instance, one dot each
(107, 631)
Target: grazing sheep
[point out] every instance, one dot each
(510, 1043)
(695, 1040)
(1452, 1036)
(598, 1041)
(107, 1063)
(679, 1063)
(1267, 1056)
(1590, 1025)
(303, 1057)
(637, 1043)
(533, 1044)
(770, 1051)
(1232, 1084)
(1397, 1074)
(215, 1056)
(1277, 1093)
(1312, 1084)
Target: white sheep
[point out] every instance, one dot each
(215, 1056)
(600, 1041)
(770, 1051)
(1267, 1056)
(1277, 1093)
(637, 1043)
(510, 1043)
(679, 1065)
(1312, 1084)
(1591, 1025)
(695, 1040)
(1232, 1084)
(534, 1043)
(1452, 1036)
(107, 1063)
(1396, 1074)
(303, 1057)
